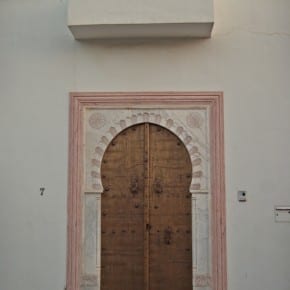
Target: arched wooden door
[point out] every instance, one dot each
(146, 240)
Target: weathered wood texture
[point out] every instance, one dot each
(146, 212)
(122, 206)
(170, 212)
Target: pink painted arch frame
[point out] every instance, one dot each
(79, 101)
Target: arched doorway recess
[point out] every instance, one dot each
(197, 120)
(146, 211)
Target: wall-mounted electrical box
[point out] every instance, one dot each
(93, 19)
(282, 214)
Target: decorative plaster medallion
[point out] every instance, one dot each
(194, 120)
(97, 120)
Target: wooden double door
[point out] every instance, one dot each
(146, 232)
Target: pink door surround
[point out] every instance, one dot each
(81, 106)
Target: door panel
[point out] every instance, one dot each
(122, 217)
(170, 212)
(146, 212)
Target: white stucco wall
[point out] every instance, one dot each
(247, 58)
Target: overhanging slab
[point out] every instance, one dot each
(103, 19)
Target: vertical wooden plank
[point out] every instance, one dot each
(146, 205)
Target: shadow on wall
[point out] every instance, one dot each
(144, 42)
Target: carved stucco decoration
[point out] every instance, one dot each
(189, 125)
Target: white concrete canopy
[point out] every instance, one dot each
(92, 19)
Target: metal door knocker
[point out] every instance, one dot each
(157, 186)
(168, 236)
(134, 185)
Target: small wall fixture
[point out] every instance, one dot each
(242, 196)
(282, 214)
